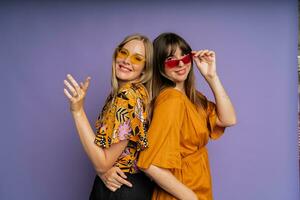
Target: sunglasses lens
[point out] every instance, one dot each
(171, 63)
(175, 62)
(137, 60)
(186, 59)
(122, 53)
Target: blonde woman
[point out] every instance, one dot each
(121, 128)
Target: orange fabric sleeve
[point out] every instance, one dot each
(164, 133)
(215, 131)
(124, 120)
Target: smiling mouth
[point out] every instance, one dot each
(181, 72)
(123, 68)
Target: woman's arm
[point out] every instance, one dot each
(225, 111)
(102, 159)
(167, 181)
(206, 63)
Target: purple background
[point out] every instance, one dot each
(256, 44)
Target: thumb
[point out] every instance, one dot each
(86, 83)
(197, 61)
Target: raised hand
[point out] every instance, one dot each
(76, 93)
(114, 178)
(206, 63)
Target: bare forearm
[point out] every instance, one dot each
(102, 159)
(225, 110)
(167, 181)
(87, 137)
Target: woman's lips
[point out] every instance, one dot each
(181, 71)
(124, 69)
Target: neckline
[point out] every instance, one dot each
(175, 90)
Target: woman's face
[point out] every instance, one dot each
(179, 71)
(130, 61)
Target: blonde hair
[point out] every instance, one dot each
(146, 78)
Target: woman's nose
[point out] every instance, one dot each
(180, 64)
(127, 60)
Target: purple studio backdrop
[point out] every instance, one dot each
(256, 44)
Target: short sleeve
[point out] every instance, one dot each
(164, 134)
(125, 119)
(215, 131)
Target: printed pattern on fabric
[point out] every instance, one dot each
(124, 117)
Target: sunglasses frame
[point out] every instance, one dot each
(175, 62)
(131, 57)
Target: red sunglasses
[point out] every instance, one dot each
(175, 62)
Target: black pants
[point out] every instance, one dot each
(142, 188)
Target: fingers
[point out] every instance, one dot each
(112, 188)
(109, 183)
(75, 89)
(86, 84)
(114, 179)
(205, 52)
(75, 84)
(113, 185)
(123, 181)
(204, 55)
(68, 94)
(81, 85)
(71, 88)
(122, 177)
(120, 172)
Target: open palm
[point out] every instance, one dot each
(76, 93)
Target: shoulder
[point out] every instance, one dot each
(132, 90)
(133, 93)
(171, 105)
(170, 96)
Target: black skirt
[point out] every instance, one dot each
(142, 188)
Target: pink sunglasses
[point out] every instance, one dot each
(175, 62)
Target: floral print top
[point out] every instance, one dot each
(124, 117)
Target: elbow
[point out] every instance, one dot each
(226, 120)
(145, 170)
(149, 173)
(232, 122)
(229, 122)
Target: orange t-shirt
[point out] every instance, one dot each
(177, 137)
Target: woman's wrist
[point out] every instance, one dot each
(77, 112)
(212, 79)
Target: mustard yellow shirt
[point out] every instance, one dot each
(178, 134)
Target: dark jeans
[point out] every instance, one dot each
(142, 188)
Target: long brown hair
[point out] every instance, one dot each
(164, 46)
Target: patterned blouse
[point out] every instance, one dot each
(124, 117)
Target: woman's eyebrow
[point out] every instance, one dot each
(139, 54)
